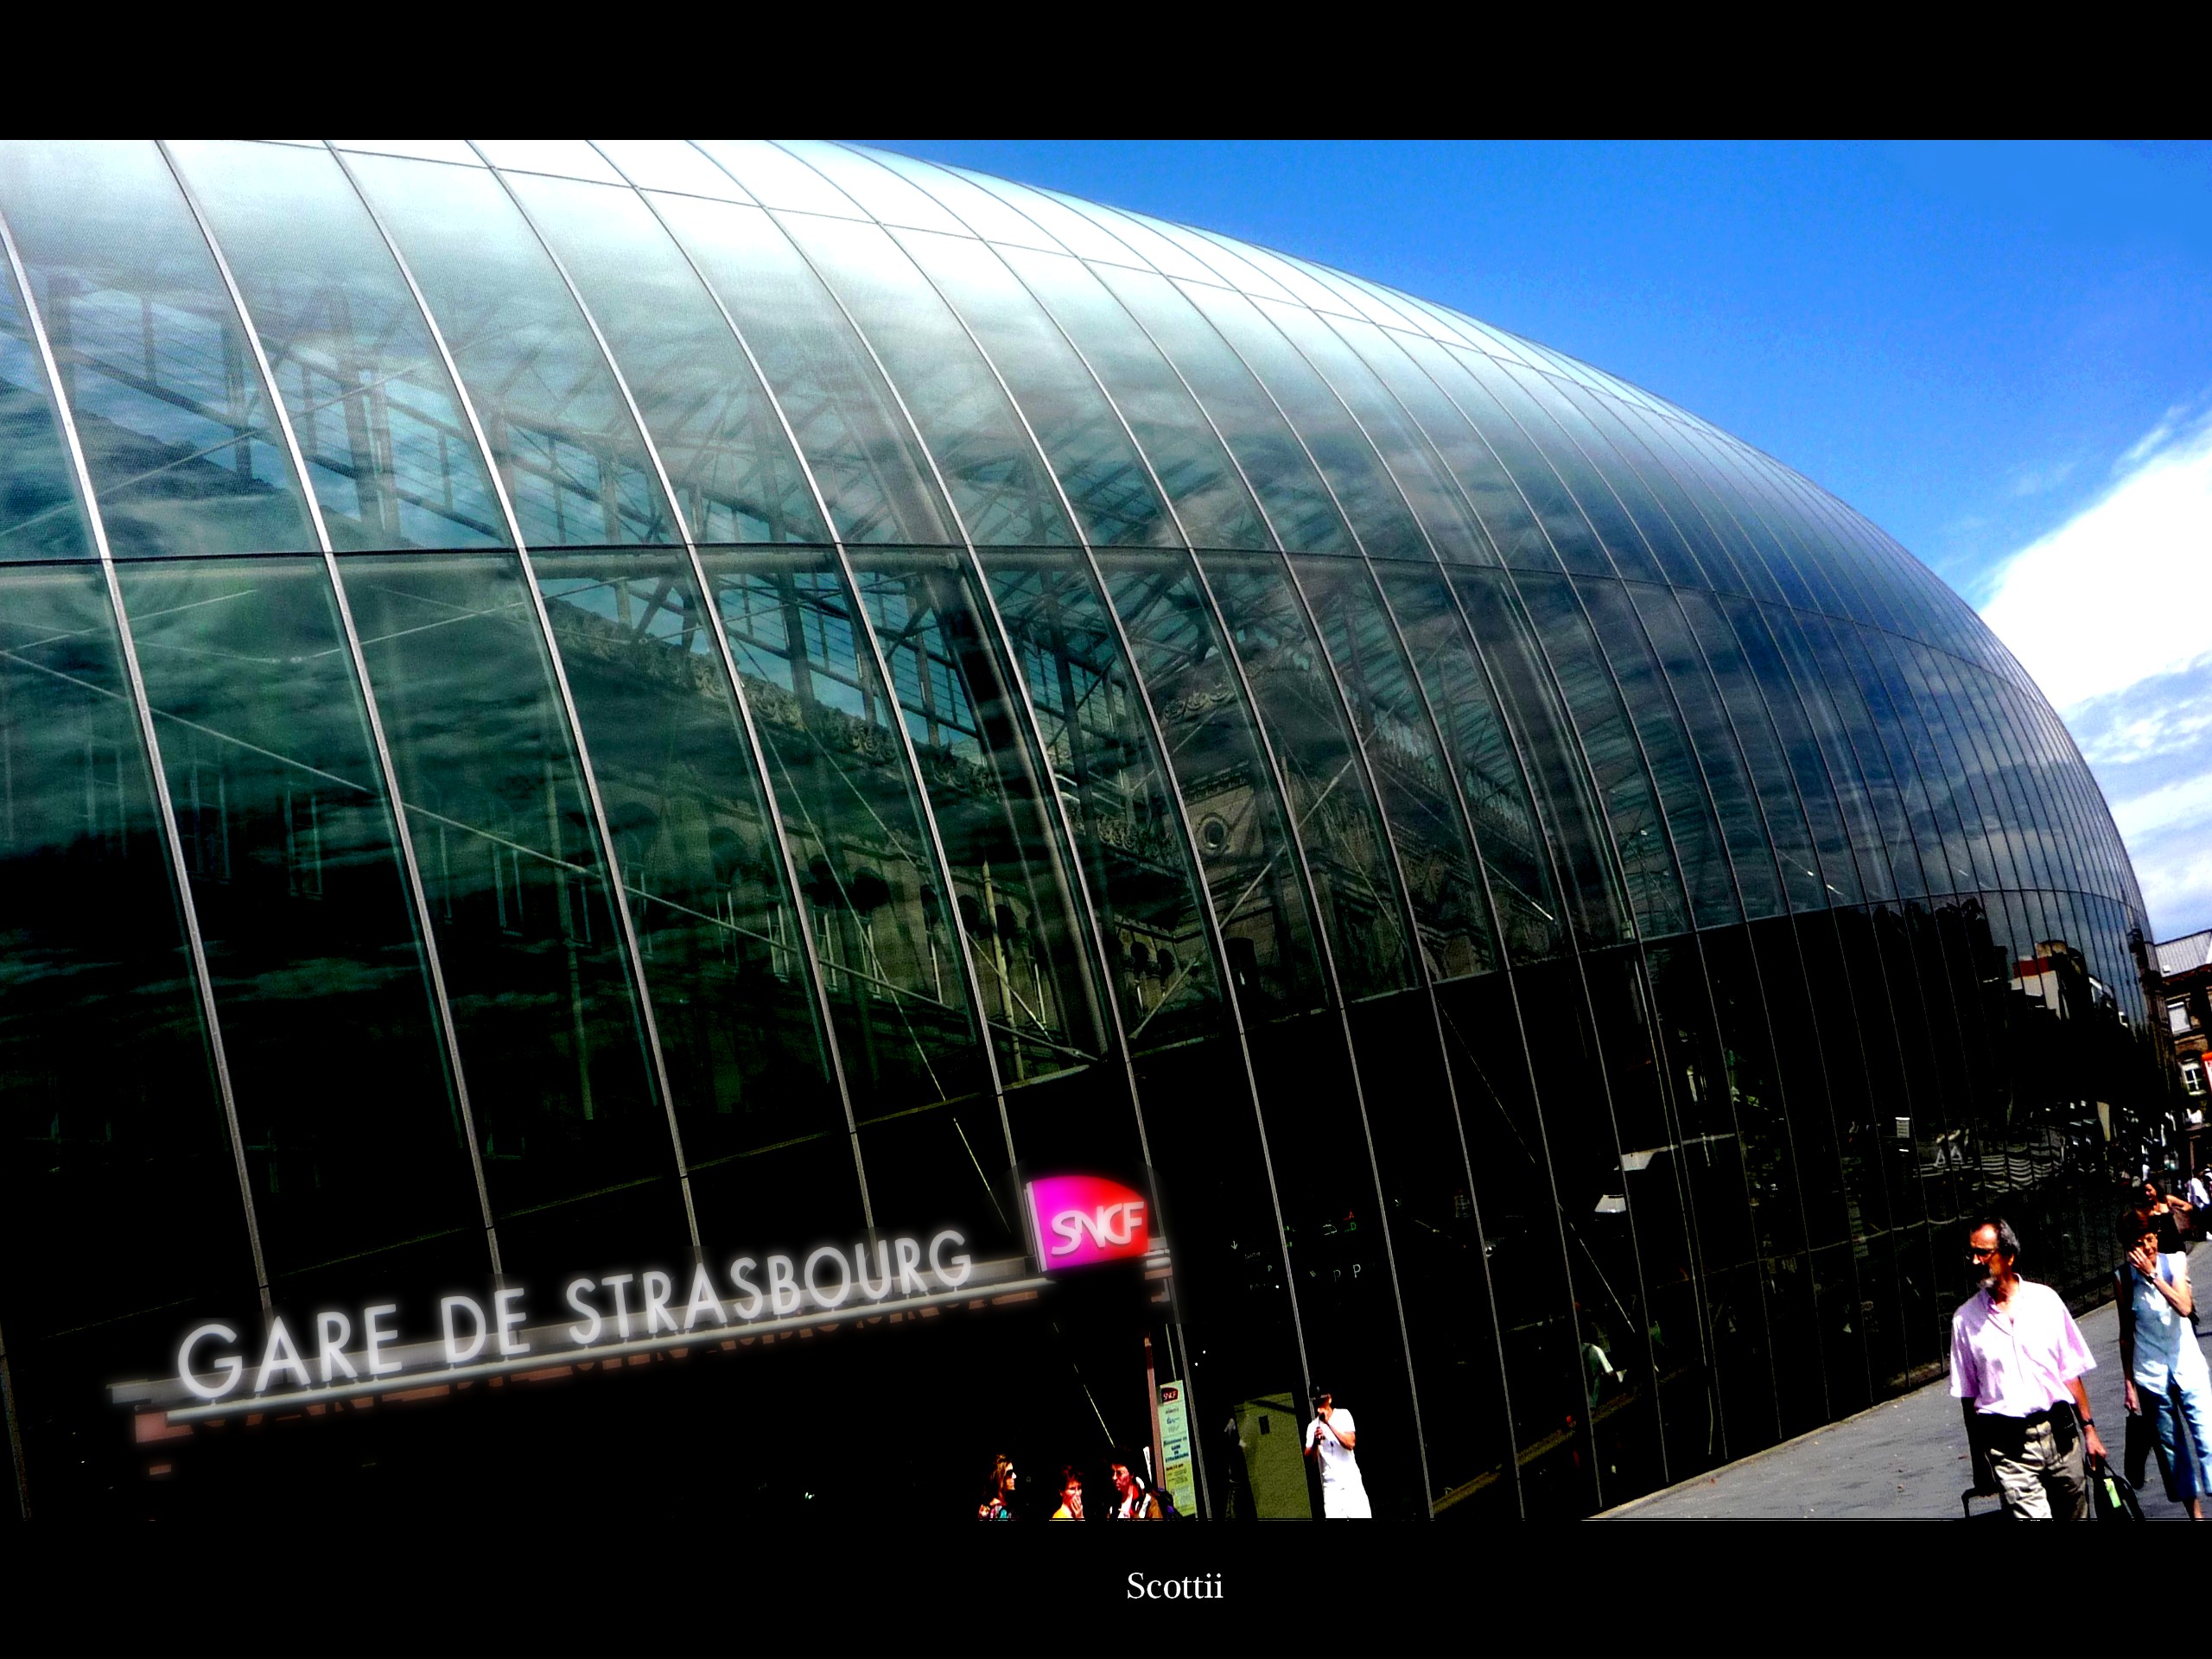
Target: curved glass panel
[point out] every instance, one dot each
(388, 449)
(988, 798)
(1297, 504)
(39, 515)
(575, 467)
(1391, 724)
(1478, 747)
(303, 911)
(986, 458)
(183, 451)
(541, 995)
(1183, 451)
(883, 928)
(727, 458)
(116, 1159)
(1108, 769)
(1088, 449)
(862, 455)
(1331, 808)
(1227, 792)
(695, 853)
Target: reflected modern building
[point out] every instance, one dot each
(568, 705)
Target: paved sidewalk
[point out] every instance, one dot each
(1905, 1459)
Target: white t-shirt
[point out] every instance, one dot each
(1344, 1495)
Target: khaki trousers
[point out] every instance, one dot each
(2042, 1471)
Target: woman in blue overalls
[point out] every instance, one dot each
(2167, 1379)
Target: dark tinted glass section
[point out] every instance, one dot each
(1773, 1169)
(1479, 749)
(39, 516)
(1210, 1154)
(182, 448)
(1088, 449)
(987, 460)
(1597, 1217)
(303, 909)
(542, 1000)
(1331, 807)
(1339, 1240)
(116, 1164)
(1707, 1164)
(863, 454)
(1524, 1242)
(1609, 739)
(1108, 769)
(1219, 769)
(882, 926)
(1544, 736)
(553, 416)
(1297, 502)
(1654, 1183)
(695, 852)
(1391, 721)
(1437, 1247)
(989, 800)
(387, 450)
(735, 476)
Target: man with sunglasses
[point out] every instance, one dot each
(2017, 1362)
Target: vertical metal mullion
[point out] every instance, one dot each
(559, 678)
(417, 897)
(202, 982)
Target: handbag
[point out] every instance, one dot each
(2110, 1497)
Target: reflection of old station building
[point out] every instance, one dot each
(2185, 987)
(591, 709)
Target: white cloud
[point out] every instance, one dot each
(2114, 595)
(2108, 612)
(2035, 481)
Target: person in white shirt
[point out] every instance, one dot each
(1330, 1438)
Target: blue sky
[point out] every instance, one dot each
(2000, 354)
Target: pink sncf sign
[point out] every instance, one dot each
(1085, 1218)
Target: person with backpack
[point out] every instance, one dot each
(998, 1503)
(1138, 1502)
(2167, 1381)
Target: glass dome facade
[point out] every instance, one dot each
(559, 699)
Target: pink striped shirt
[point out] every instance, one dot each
(2016, 1362)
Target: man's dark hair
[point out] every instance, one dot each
(2008, 1241)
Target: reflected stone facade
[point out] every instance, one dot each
(568, 704)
